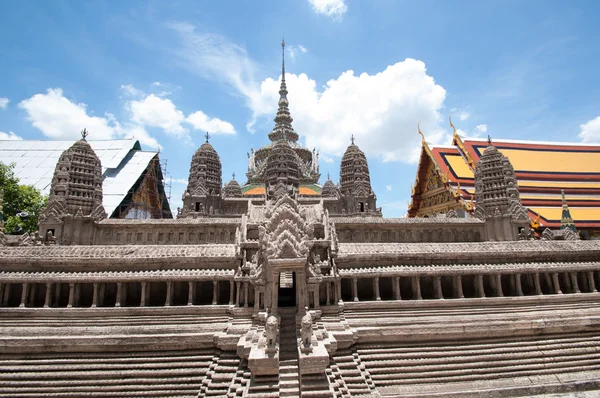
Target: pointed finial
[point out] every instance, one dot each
(329, 178)
(421, 133)
(451, 125)
(84, 134)
(352, 138)
(233, 175)
(207, 136)
(489, 140)
(564, 200)
(282, 60)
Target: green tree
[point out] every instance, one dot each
(19, 198)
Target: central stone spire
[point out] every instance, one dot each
(283, 120)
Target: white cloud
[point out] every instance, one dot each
(183, 181)
(131, 91)
(215, 58)
(461, 114)
(9, 136)
(388, 187)
(201, 121)
(590, 131)
(3, 103)
(292, 50)
(380, 110)
(480, 129)
(159, 112)
(59, 118)
(334, 9)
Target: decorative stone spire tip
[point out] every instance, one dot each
(84, 134)
(207, 136)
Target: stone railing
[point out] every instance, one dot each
(474, 281)
(117, 289)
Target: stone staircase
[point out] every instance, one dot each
(106, 374)
(346, 378)
(524, 363)
(220, 375)
(288, 354)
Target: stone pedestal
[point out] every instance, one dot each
(314, 361)
(263, 361)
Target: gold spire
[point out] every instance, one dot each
(455, 134)
(421, 133)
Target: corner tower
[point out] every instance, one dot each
(75, 195)
(355, 182)
(203, 191)
(497, 195)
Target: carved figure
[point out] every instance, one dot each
(271, 331)
(306, 330)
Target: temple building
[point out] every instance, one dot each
(284, 293)
(549, 176)
(133, 179)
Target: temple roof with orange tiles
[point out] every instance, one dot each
(543, 170)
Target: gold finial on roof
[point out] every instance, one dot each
(535, 224)
(420, 132)
(452, 125)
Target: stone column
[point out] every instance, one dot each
(519, 287)
(95, 296)
(24, 293)
(498, 278)
(245, 294)
(48, 296)
(416, 282)
(555, 283)
(397, 293)
(143, 294)
(71, 295)
(191, 293)
(3, 289)
(437, 287)
(479, 286)
(591, 283)
(376, 288)
(215, 293)
(574, 282)
(256, 300)
(458, 290)
(237, 294)
(536, 283)
(316, 299)
(169, 297)
(327, 292)
(354, 289)
(231, 288)
(338, 285)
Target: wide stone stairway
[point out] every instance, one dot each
(108, 374)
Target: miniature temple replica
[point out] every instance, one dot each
(282, 287)
(548, 174)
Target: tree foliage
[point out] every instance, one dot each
(19, 198)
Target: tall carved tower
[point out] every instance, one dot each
(203, 193)
(497, 194)
(75, 198)
(355, 181)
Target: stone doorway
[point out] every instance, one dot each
(287, 289)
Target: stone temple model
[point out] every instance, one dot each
(287, 294)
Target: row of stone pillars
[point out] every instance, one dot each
(515, 289)
(52, 293)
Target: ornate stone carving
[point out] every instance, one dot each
(306, 331)
(354, 173)
(286, 234)
(77, 184)
(560, 234)
(232, 189)
(271, 332)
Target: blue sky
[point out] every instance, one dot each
(166, 72)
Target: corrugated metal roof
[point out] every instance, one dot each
(122, 164)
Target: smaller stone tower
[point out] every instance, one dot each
(203, 193)
(497, 194)
(355, 181)
(232, 189)
(75, 200)
(282, 174)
